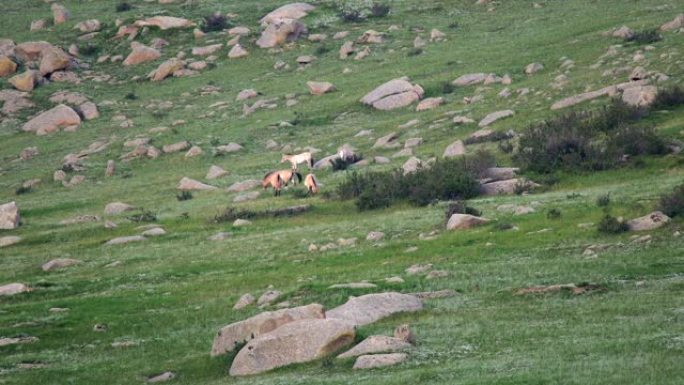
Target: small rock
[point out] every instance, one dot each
(379, 360)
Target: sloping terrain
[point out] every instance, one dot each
(126, 312)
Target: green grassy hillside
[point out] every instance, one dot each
(169, 295)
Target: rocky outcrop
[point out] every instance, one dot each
(52, 120)
(366, 309)
(229, 336)
(465, 221)
(296, 342)
(648, 222)
(394, 94)
(376, 344)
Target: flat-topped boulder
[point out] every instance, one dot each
(206, 50)
(470, 79)
(216, 172)
(494, 116)
(9, 240)
(506, 187)
(124, 240)
(244, 185)
(25, 81)
(9, 216)
(394, 94)
(372, 361)
(236, 333)
(176, 147)
(366, 309)
(166, 69)
(296, 342)
(287, 11)
(115, 208)
(141, 54)
(456, 148)
(320, 88)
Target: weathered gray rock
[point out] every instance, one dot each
(253, 327)
(676, 23)
(373, 361)
(9, 240)
(17, 340)
(13, 288)
(506, 187)
(411, 165)
(470, 79)
(287, 11)
(154, 232)
(641, 96)
(429, 104)
(244, 301)
(115, 208)
(377, 344)
(375, 236)
(648, 222)
(188, 184)
(124, 240)
(216, 172)
(59, 263)
(456, 148)
(296, 342)
(9, 216)
(494, 116)
(501, 173)
(141, 54)
(244, 186)
(353, 285)
(320, 88)
(394, 94)
(533, 68)
(387, 141)
(369, 308)
(228, 148)
(268, 297)
(163, 377)
(176, 147)
(165, 22)
(465, 221)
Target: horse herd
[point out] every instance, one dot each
(278, 179)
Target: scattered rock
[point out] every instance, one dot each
(87, 26)
(17, 340)
(465, 221)
(411, 165)
(494, 116)
(470, 79)
(187, 184)
(60, 14)
(222, 236)
(52, 120)
(124, 240)
(59, 263)
(237, 52)
(623, 32)
(115, 208)
(166, 69)
(141, 54)
(429, 104)
(456, 148)
(404, 333)
(281, 31)
(436, 294)
(244, 301)
(373, 361)
(648, 222)
(13, 289)
(296, 342)
(369, 308)
(154, 232)
(228, 148)
(375, 236)
(9, 240)
(353, 285)
(25, 81)
(387, 141)
(165, 22)
(193, 151)
(506, 187)
(229, 336)
(394, 94)
(9, 216)
(166, 376)
(7, 66)
(377, 344)
(289, 11)
(641, 96)
(533, 68)
(216, 172)
(268, 297)
(320, 88)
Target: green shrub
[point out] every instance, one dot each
(184, 196)
(339, 164)
(414, 52)
(449, 179)
(506, 146)
(603, 200)
(668, 97)
(553, 214)
(589, 140)
(503, 226)
(646, 36)
(143, 216)
(215, 22)
(459, 207)
(89, 49)
(123, 7)
(611, 225)
(380, 10)
(672, 204)
(22, 190)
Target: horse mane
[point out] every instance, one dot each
(269, 174)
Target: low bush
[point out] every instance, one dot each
(611, 225)
(448, 179)
(669, 97)
(123, 7)
(380, 10)
(339, 164)
(358, 10)
(184, 196)
(672, 204)
(589, 140)
(503, 226)
(231, 213)
(215, 22)
(603, 200)
(646, 36)
(22, 190)
(553, 214)
(143, 216)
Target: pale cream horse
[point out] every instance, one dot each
(304, 157)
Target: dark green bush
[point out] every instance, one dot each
(184, 196)
(231, 213)
(668, 97)
(590, 140)
(22, 190)
(143, 216)
(414, 52)
(380, 10)
(553, 214)
(123, 7)
(215, 22)
(339, 164)
(603, 200)
(672, 204)
(89, 49)
(646, 36)
(611, 225)
(449, 179)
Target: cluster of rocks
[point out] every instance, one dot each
(306, 333)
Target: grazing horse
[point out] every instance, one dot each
(288, 176)
(304, 157)
(311, 184)
(274, 180)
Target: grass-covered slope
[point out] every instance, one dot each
(170, 294)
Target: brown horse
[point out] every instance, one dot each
(274, 180)
(311, 184)
(290, 176)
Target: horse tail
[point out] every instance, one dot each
(298, 177)
(311, 161)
